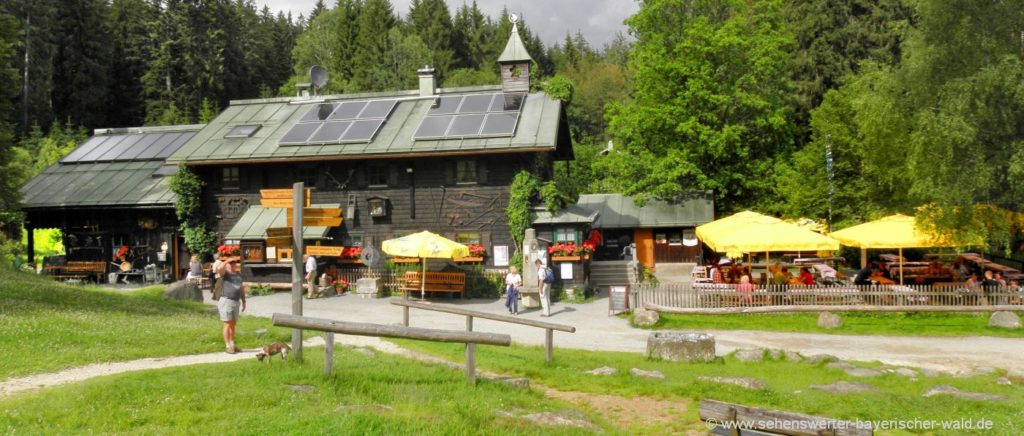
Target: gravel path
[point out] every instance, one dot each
(595, 330)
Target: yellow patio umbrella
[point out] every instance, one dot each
(894, 231)
(424, 245)
(753, 232)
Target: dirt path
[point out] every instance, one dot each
(74, 375)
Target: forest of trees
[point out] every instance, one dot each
(918, 102)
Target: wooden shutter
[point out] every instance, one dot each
(481, 171)
(449, 172)
(393, 175)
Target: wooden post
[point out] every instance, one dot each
(30, 246)
(405, 312)
(328, 352)
(548, 339)
(470, 354)
(298, 272)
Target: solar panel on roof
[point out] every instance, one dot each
(446, 105)
(84, 149)
(101, 149)
(348, 110)
(475, 103)
(299, 134)
(466, 125)
(477, 115)
(362, 131)
(330, 132)
(500, 124)
(145, 152)
(348, 121)
(434, 127)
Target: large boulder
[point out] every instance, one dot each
(829, 320)
(1006, 320)
(681, 346)
(645, 318)
(184, 290)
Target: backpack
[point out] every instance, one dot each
(549, 275)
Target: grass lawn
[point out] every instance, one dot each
(788, 384)
(48, 326)
(900, 324)
(365, 395)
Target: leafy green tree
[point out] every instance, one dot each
(373, 43)
(472, 33)
(81, 66)
(431, 21)
(132, 46)
(470, 77)
(833, 37)
(710, 106)
(407, 53)
(10, 176)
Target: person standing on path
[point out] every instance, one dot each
(545, 288)
(310, 275)
(232, 298)
(512, 283)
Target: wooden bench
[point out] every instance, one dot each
(454, 283)
(78, 270)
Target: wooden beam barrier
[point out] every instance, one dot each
(828, 308)
(548, 327)
(762, 421)
(390, 331)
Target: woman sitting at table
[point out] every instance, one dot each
(806, 278)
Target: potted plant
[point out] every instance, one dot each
(565, 252)
(225, 250)
(351, 255)
(476, 254)
(340, 286)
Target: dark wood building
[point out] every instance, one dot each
(112, 192)
(394, 162)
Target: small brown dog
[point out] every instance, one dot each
(272, 349)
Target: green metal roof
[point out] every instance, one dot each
(254, 223)
(115, 167)
(616, 211)
(514, 51)
(98, 184)
(570, 215)
(538, 128)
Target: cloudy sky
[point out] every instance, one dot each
(598, 20)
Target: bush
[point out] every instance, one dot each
(259, 290)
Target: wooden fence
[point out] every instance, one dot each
(478, 283)
(686, 295)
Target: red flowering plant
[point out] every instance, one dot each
(340, 285)
(351, 252)
(564, 249)
(121, 253)
(229, 250)
(476, 250)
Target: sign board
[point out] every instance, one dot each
(320, 250)
(618, 299)
(279, 202)
(308, 212)
(320, 221)
(501, 255)
(279, 241)
(279, 231)
(565, 271)
(281, 194)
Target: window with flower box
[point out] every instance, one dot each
(567, 234)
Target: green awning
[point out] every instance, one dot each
(253, 224)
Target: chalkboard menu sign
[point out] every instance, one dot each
(618, 299)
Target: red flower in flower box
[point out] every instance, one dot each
(477, 250)
(229, 250)
(351, 252)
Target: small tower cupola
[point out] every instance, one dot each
(515, 62)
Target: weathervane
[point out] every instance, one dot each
(514, 18)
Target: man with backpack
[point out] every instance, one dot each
(545, 277)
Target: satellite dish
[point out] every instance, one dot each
(370, 257)
(318, 76)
